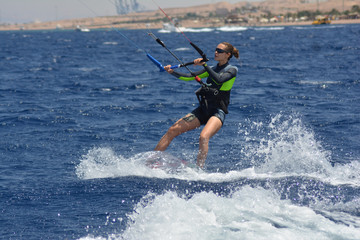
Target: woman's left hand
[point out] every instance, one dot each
(199, 62)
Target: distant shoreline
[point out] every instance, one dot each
(58, 25)
(213, 15)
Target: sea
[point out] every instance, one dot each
(81, 114)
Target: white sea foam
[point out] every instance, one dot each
(314, 82)
(249, 213)
(232, 28)
(105, 163)
(188, 30)
(110, 43)
(286, 148)
(269, 28)
(317, 27)
(198, 30)
(182, 49)
(289, 148)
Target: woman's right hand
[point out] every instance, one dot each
(168, 69)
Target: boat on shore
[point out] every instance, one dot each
(81, 29)
(321, 20)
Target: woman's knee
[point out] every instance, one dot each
(204, 138)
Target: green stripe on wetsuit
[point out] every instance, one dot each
(203, 75)
(226, 86)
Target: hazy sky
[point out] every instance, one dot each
(23, 11)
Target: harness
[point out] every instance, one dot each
(204, 93)
(218, 92)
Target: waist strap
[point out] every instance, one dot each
(202, 94)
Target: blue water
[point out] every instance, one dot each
(81, 112)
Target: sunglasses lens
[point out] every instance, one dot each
(219, 50)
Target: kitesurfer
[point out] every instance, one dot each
(213, 96)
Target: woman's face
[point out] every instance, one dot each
(221, 56)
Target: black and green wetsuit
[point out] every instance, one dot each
(215, 94)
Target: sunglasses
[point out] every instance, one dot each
(219, 50)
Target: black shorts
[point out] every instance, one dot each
(205, 115)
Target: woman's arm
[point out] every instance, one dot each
(221, 77)
(188, 75)
(184, 76)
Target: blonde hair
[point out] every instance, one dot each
(231, 49)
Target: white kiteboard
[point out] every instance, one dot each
(166, 161)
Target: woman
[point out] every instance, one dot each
(214, 98)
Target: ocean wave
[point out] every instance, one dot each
(193, 30)
(105, 163)
(182, 49)
(312, 27)
(232, 28)
(110, 43)
(268, 28)
(248, 213)
(315, 82)
(286, 148)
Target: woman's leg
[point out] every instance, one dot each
(211, 128)
(187, 123)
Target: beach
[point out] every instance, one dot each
(104, 23)
(219, 12)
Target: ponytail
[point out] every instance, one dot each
(231, 49)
